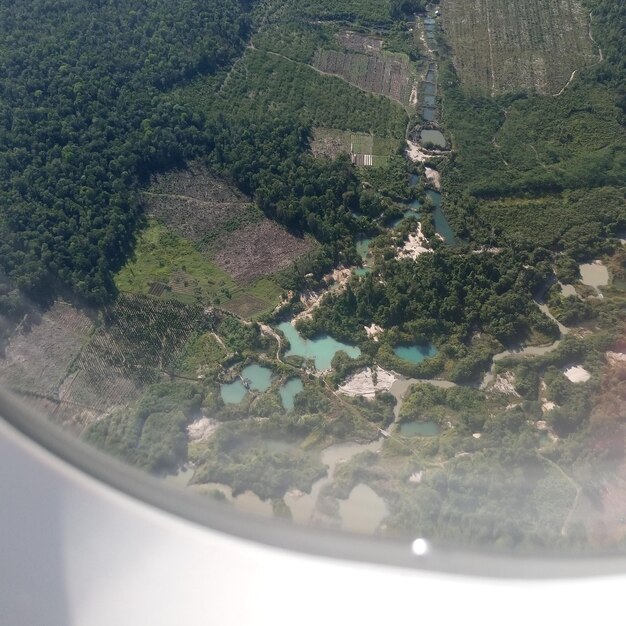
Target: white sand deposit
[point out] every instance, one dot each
(577, 374)
(505, 383)
(362, 383)
(202, 429)
(415, 245)
(433, 176)
(616, 358)
(373, 331)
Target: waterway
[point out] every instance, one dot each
(321, 349)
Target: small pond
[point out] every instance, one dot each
(594, 274)
(429, 101)
(259, 378)
(430, 76)
(429, 114)
(429, 89)
(362, 271)
(434, 137)
(441, 223)
(415, 353)
(233, 393)
(321, 349)
(419, 429)
(289, 391)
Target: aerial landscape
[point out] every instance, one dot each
(360, 265)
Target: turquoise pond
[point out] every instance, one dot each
(260, 378)
(419, 429)
(321, 349)
(434, 137)
(415, 353)
(233, 393)
(289, 391)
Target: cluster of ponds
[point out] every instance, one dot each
(259, 378)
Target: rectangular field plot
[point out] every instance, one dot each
(365, 149)
(500, 45)
(40, 352)
(386, 74)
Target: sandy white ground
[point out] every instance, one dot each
(373, 331)
(616, 358)
(362, 383)
(505, 383)
(433, 176)
(202, 429)
(415, 245)
(577, 374)
(338, 279)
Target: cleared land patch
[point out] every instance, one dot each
(207, 243)
(331, 142)
(258, 250)
(501, 46)
(40, 352)
(386, 74)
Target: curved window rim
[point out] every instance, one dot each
(285, 535)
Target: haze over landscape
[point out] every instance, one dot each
(356, 264)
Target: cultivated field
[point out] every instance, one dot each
(386, 74)
(356, 42)
(138, 340)
(331, 142)
(501, 46)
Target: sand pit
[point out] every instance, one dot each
(577, 374)
(373, 331)
(616, 358)
(505, 383)
(362, 383)
(433, 176)
(415, 245)
(202, 429)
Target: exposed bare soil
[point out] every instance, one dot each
(259, 250)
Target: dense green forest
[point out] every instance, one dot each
(84, 118)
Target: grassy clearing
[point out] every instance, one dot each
(204, 350)
(168, 266)
(501, 46)
(331, 142)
